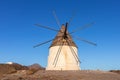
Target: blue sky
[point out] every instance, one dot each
(18, 34)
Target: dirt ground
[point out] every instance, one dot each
(61, 75)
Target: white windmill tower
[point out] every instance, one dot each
(63, 52)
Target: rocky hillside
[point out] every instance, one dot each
(10, 68)
(15, 67)
(36, 66)
(115, 71)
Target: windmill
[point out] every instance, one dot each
(63, 54)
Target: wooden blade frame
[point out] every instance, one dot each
(57, 55)
(73, 52)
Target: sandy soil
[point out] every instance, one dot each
(61, 75)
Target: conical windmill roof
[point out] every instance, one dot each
(58, 40)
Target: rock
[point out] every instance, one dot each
(115, 71)
(36, 66)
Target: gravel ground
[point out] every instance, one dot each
(62, 75)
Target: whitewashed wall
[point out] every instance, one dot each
(66, 60)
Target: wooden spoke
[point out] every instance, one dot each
(81, 39)
(42, 43)
(81, 28)
(46, 27)
(57, 20)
